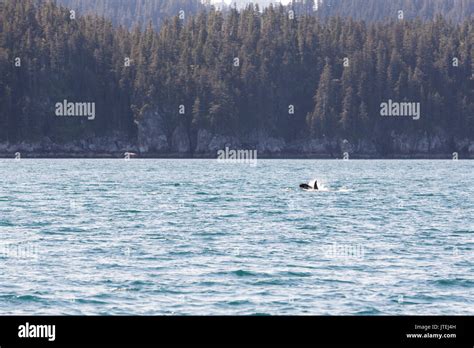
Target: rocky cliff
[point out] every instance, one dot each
(152, 141)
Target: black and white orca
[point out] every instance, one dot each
(308, 187)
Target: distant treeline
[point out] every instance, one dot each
(130, 13)
(232, 73)
(376, 10)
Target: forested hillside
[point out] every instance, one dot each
(376, 10)
(130, 13)
(231, 74)
(241, 4)
(46, 57)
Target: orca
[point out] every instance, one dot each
(308, 187)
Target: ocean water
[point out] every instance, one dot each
(198, 237)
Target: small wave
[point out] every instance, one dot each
(242, 273)
(297, 274)
(209, 283)
(270, 282)
(90, 301)
(337, 281)
(5, 223)
(369, 311)
(239, 302)
(202, 193)
(261, 314)
(23, 298)
(130, 211)
(455, 282)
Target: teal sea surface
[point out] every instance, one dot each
(200, 237)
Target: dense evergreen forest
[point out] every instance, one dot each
(376, 10)
(131, 13)
(290, 77)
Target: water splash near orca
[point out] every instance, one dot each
(322, 187)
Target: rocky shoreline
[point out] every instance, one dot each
(152, 141)
(206, 145)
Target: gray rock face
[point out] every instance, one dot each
(366, 147)
(220, 142)
(462, 143)
(465, 146)
(180, 142)
(152, 140)
(422, 145)
(436, 144)
(471, 148)
(270, 145)
(4, 147)
(400, 144)
(346, 146)
(151, 136)
(204, 138)
(322, 146)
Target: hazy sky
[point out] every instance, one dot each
(284, 2)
